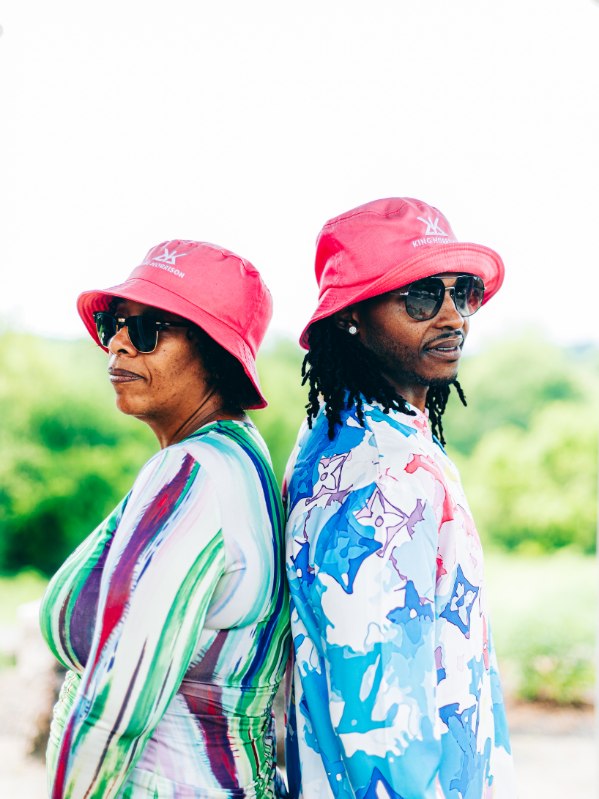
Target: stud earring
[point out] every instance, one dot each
(352, 330)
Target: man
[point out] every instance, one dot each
(395, 691)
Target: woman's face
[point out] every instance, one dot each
(162, 388)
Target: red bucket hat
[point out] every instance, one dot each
(386, 244)
(204, 283)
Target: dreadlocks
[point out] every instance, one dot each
(342, 371)
(436, 401)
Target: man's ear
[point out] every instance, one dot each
(347, 318)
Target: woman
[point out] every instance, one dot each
(171, 616)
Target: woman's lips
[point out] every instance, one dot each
(123, 376)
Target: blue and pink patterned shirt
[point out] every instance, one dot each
(395, 690)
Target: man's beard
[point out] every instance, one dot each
(393, 370)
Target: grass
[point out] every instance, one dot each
(16, 590)
(544, 617)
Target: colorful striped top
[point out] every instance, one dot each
(396, 692)
(172, 620)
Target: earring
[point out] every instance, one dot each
(352, 330)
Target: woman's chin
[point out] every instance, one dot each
(127, 407)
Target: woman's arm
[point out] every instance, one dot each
(165, 561)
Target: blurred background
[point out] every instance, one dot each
(250, 125)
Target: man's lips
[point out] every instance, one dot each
(122, 376)
(449, 347)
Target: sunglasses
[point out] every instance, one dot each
(142, 330)
(424, 298)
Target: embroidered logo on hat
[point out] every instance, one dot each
(169, 257)
(166, 261)
(432, 226)
(434, 233)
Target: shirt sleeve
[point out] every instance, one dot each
(362, 575)
(164, 564)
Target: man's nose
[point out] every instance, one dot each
(448, 313)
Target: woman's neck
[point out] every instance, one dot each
(211, 409)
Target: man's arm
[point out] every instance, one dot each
(365, 638)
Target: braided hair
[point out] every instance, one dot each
(341, 370)
(224, 371)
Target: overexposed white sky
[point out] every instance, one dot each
(127, 122)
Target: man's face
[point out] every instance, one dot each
(413, 355)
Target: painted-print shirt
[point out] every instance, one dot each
(395, 691)
(172, 620)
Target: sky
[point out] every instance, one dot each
(249, 124)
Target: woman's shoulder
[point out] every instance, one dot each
(224, 450)
(229, 439)
(218, 455)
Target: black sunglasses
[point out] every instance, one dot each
(142, 330)
(424, 298)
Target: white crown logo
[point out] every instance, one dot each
(169, 257)
(432, 226)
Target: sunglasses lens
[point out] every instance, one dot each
(105, 327)
(143, 333)
(468, 294)
(424, 298)
(142, 330)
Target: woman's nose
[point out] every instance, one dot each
(121, 342)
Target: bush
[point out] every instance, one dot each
(553, 671)
(512, 381)
(526, 444)
(280, 376)
(68, 454)
(543, 615)
(537, 488)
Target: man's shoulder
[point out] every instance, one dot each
(377, 428)
(317, 458)
(364, 448)
(314, 442)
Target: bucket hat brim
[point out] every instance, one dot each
(453, 257)
(148, 293)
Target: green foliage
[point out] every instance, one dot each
(15, 590)
(527, 444)
(280, 378)
(552, 670)
(543, 611)
(538, 487)
(68, 455)
(512, 381)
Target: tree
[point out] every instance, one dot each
(526, 444)
(513, 380)
(68, 455)
(280, 375)
(535, 489)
